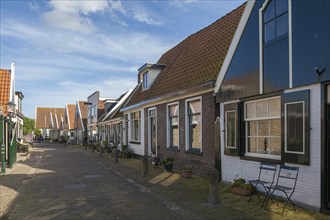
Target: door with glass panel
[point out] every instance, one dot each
(152, 132)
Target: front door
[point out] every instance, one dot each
(152, 133)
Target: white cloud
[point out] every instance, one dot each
(109, 88)
(34, 6)
(182, 3)
(118, 6)
(73, 15)
(145, 18)
(125, 47)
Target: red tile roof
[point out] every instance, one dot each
(4, 89)
(45, 116)
(194, 61)
(83, 110)
(71, 109)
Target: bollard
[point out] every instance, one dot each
(3, 158)
(145, 166)
(116, 155)
(214, 199)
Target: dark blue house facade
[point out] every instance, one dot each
(273, 92)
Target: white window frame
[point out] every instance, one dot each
(235, 139)
(133, 127)
(187, 126)
(285, 127)
(268, 156)
(145, 80)
(168, 137)
(149, 129)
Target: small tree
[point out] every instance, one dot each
(37, 132)
(28, 126)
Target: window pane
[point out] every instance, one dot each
(295, 127)
(231, 129)
(145, 80)
(282, 25)
(173, 110)
(152, 113)
(275, 127)
(270, 12)
(251, 128)
(274, 107)
(194, 107)
(281, 7)
(269, 31)
(196, 132)
(175, 136)
(263, 145)
(250, 110)
(262, 109)
(153, 135)
(275, 146)
(263, 128)
(137, 130)
(252, 145)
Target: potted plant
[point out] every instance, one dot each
(155, 160)
(106, 146)
(127, 152)
(186, 171)
(241, 187)
(168, 164)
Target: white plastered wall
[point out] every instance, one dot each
(308, 190)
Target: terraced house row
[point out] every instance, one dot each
(252, 87)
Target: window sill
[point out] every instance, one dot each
(260, 159)
(192, 151)
(173, 149)
(135, 142)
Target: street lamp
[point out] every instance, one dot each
(12, 141)
(11, 109)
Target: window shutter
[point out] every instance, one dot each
(231, 133)
(295, 127)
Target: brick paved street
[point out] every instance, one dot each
(71, 182)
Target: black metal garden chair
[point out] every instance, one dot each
(266, 178)
(285, 184)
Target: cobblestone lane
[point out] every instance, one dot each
(71, 182)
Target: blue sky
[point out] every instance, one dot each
(66, 50)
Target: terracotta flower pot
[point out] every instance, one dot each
(241, 191)
(186, 174)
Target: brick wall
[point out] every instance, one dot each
(201, 162)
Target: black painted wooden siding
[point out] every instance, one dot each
(310, 41)
(310, 48)
(242, 77)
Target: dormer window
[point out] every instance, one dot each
(148, 73)
(275, 20)
(146, 81)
